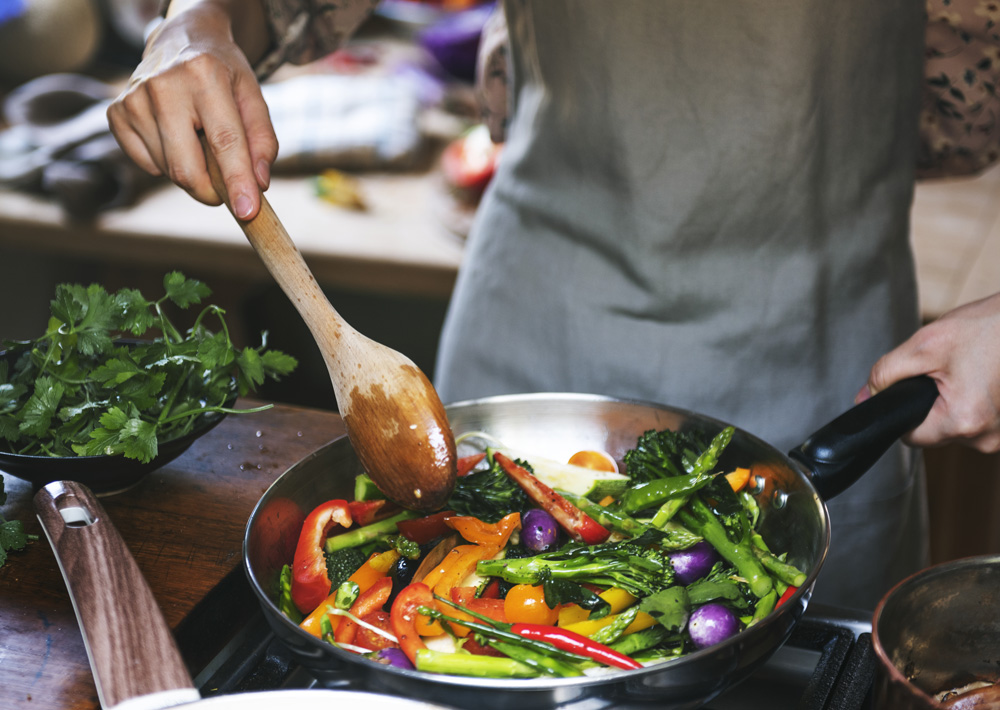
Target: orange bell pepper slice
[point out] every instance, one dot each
(476, 531)
(466, 596)
(738, 478)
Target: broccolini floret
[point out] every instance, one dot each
(489, 494)
(632, 565)
(659, 454)
(342, 563)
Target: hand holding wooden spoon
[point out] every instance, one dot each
(394, 417)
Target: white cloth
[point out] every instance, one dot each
(345, 121)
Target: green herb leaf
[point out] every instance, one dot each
(38, 411)
(184, 291)
(12, 535)
(670, 607)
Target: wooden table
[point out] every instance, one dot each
(184, 524)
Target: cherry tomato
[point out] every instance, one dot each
(525, 604)
(468, 162)
(367, 638)
(594, 460)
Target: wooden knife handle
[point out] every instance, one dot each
(132, 652)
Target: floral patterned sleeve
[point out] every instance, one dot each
(304, 30)
(959, 128)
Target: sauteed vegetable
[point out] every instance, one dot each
(539, 568)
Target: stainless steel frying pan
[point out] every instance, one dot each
(789, 488)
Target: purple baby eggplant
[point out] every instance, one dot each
(712, 624)
(539, 530)
(693, 563)
(394, 657)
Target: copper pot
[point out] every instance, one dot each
(939, 630)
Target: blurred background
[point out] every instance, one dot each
(383, 161)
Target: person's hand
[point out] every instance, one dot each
(195, 76)
(961, 352)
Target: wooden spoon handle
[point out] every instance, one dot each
(284, 261)
(132, 652)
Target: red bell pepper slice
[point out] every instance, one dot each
(366, 512)
(786, 595)
(423, 530)
(566, 640)
(467, 463)
(491, 590)
(579, 525)
(310, 583)
(373, 599)
(404, 617)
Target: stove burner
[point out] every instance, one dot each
(827, 664)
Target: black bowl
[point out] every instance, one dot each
(104, 475)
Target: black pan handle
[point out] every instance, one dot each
(838, 454)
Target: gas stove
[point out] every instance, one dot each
(827, 664)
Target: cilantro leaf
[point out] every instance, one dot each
(122, 433)
(184, 291)
(251, 366)
(277, 363)
(37, 413)
(12, 535)
(135, 314)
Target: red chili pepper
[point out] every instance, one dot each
(467, 463)
(786, 596)
(310, 583)
(577, 643)
(423, 530)
(566, 640)
(574, 521)
(368, 601)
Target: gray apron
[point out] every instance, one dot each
(706, 204)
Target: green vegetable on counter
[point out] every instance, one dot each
(78, 390)
(12, 535)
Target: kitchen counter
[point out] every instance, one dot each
(406, 244)
(184, 525)
(400, 245)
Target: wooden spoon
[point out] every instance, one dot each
(394, 417)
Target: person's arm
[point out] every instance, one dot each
(197, 74)
(959, 135)
(959, 125)
(961, 352)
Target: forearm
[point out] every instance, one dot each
(246, 19)
(273, 32)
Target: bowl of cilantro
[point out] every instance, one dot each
(113, 390)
